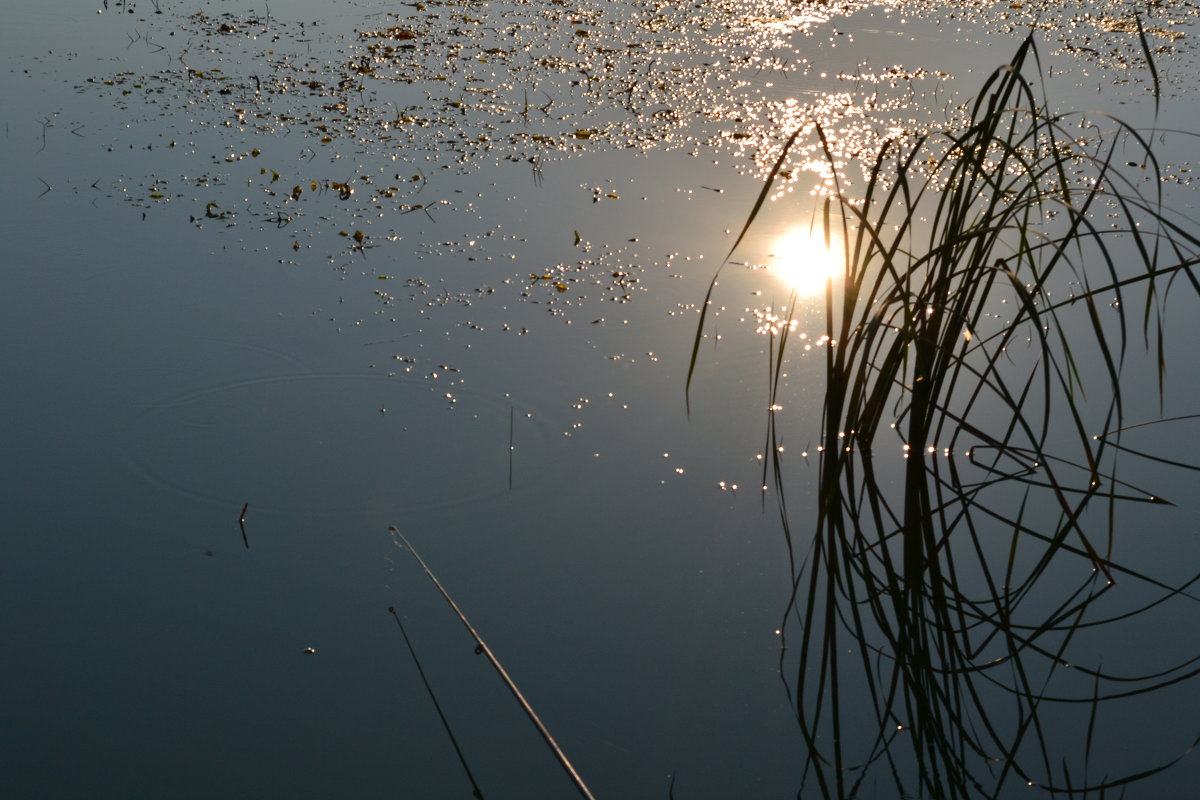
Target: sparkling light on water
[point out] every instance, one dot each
(803, 261)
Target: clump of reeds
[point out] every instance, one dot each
(958, 586)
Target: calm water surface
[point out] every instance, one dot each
(438, 266)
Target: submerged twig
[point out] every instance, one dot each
(462, 759)
(45, 123)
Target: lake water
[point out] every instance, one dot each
(333, 268)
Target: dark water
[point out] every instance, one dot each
(185, 337)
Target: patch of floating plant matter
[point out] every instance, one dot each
(462, 84)
(336, 133)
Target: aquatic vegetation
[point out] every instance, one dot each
(969, 513)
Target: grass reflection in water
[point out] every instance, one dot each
(966, 510)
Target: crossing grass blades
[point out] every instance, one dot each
(936, 600)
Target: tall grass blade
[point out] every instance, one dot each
(1149, 56)
(762, 196)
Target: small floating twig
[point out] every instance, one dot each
(242, 525)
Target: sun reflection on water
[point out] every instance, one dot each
(802, 259)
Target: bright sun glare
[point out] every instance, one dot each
(802, 260)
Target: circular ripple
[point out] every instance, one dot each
(331, 444)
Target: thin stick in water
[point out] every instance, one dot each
(510, 446)
(481, 646)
